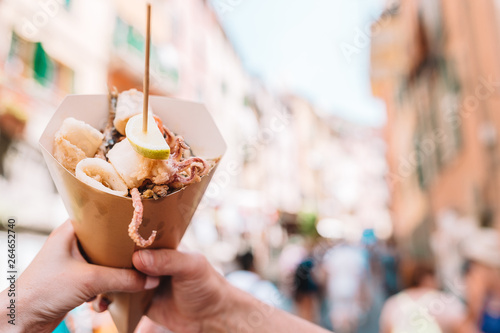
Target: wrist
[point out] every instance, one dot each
(9, 313)
(233, 312)
(217, 321)
(17, 312)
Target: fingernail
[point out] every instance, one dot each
(104, 303)
(151, 282)
(146, 258)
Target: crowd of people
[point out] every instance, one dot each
(369, 287)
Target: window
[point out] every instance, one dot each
(130, 41)
(449, 89)
(38, 65)
(126, 36)
(43, 66)
(21, 50)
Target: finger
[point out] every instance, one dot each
(168, 262)
(63, 235)
(105, 279)
(91, 299)
(75, 251)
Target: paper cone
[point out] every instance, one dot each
(101, 219)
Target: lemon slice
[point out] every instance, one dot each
(151, 144)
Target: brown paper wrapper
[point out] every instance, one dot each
(101, 219)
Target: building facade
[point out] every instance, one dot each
(435, 65)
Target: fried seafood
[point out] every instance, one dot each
(128, 105)
(133, 228)
(101, 175)
(108, 162)
(74, 141)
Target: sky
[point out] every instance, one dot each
(316, 48)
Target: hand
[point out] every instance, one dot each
(59, 279)
(192, 297)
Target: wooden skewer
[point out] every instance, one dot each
(146, 71)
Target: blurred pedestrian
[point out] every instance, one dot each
(248, 280)
(390, 262)
(347, 267)
(381, 273)
(421, 307)
(305, 290)
(452, 227)
(482, 249)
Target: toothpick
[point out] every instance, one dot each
(146, 71)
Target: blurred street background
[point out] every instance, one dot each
(361, 185)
